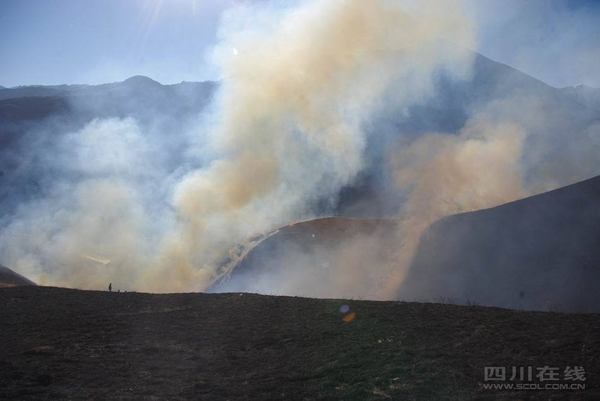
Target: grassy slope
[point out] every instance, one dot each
(60, 343)
(325, 236)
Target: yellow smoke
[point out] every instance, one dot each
(296, 91)
(287, 132)
(448, 174)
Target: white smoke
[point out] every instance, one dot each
(288, 131)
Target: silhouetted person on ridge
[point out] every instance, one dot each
(110, 287)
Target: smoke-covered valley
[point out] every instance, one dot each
(355, 110)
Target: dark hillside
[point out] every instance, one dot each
(9, 278)
(540, 252)
(59, 343)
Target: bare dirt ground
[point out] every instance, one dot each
(60, 343)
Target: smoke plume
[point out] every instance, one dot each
(286, 131)
(154, 204)
(292, 111)
(478, 168)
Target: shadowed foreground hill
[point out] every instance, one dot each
(60, 343)
(541, 252)
(9, 278)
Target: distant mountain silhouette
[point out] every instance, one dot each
(585, 95)
(138, 81)
(536, 253)
(141, 81)
(135, 96)
(33, 125)
(38, 90)
(10, 278)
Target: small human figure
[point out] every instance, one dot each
(110, 287)
(119, 290)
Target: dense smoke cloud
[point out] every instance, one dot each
(439, 173)
(312, 96)
(292, 111)
(285, 134)
(93, 211)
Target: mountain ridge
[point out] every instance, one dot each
(10, 278)
(138, 81)
(583, 94)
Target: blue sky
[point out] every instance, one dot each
(555, 41)
(96, 41)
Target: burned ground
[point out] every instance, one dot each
(61, 343)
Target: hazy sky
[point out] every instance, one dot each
(97, 41)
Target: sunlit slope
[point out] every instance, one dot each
(331, 257)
